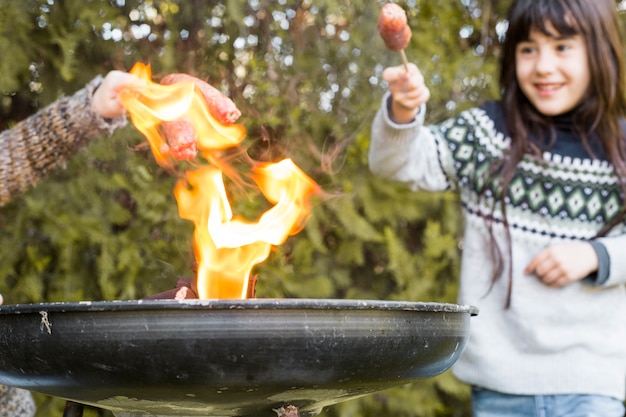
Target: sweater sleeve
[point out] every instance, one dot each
(407, 153)
(604, 262)
(45, 141)
(614, 246)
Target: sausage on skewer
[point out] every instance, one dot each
(394, 29)
(180, 135)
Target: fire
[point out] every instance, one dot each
(226, 246)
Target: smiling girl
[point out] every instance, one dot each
(541, 175)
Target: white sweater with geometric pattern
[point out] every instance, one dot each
(569, 340)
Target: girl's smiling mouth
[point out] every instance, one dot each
(548, 89)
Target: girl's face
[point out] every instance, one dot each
(553, 71)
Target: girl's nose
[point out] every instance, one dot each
(545, 62)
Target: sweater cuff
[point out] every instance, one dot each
(615, 248)
(419, 117)
(601, 276)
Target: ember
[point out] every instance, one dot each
(226, 246)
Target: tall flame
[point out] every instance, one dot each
(226, 246)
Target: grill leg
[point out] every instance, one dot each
(73, 409)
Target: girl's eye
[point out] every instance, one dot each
(563, 47)
(525, 50)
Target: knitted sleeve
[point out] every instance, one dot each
(46, 140)
(407, 152)
(15, 402)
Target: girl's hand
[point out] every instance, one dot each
(105, 100)
(559, 265)
(408, 91)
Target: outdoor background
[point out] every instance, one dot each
(306, 76)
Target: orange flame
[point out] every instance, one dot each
(226, 246)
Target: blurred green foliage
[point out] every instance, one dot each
(307, 78)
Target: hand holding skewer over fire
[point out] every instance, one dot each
(106, 99)
(406, 82)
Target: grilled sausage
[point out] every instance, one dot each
(393, 27)
(180, 135)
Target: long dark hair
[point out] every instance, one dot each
(601, 109)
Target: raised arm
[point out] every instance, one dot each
(46, 140)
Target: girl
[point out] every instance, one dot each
(43, 143)
(541, 175)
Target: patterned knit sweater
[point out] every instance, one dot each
(31, 150)
(568, 340)
(45, 141)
